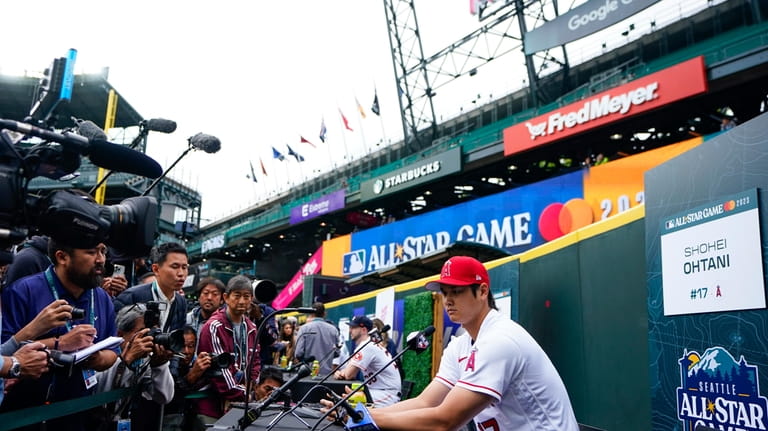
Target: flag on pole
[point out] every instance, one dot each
(298, 156)
(346, 122)
(375, 106)
(263, 169)
(360, 108)
(323, 130)
(305, 141)
(253, 173)
(277, 154)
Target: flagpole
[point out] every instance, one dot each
(344, 135)
(360, 122)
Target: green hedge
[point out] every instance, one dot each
(418, 315)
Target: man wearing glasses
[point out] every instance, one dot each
(74, 277)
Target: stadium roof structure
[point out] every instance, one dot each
(89, 101)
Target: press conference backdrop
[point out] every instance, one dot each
(723, 353)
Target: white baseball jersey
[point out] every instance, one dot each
(384, 388)
(506, 363)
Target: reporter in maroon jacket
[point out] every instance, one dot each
(230, 330)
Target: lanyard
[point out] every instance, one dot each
(241, 341)
(52, 285)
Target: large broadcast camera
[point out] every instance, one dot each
(32, 149)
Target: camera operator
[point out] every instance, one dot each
(187, 371)
(230, 330)
(74, 277)
(136, 366)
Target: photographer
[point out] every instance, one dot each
(230, 330)
(187, 371)
(209, 297)
(74, 278)
(136, 367)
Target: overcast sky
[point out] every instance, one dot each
(255, 74)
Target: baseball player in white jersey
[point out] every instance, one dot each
(385, 387)
(495, 374)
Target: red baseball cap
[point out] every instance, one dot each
(460, 271)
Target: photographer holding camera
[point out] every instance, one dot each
(74, 278)
(138, 366)
(230, 330)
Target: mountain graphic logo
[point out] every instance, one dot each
(719, 392)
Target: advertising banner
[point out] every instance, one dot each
(507, 220)
(296, 285)
(711, 257)
(581, 21)
(650, 92)
(617, 186)
(423, 171)
(322, 205)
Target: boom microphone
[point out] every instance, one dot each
(123, 159)
(99, 151)
(159, 125)
(209, 144)
(88, 129)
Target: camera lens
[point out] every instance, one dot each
(77, 313)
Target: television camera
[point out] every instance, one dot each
(32, 149)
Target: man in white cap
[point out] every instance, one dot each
(370, 358)
(495, 373)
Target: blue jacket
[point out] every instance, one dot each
(142, 293)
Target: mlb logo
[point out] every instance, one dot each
(353, 262)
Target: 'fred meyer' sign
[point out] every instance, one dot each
(655, 90)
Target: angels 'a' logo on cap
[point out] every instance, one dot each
(478, 278)
(446, 269)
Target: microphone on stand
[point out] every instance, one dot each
(418, 342)
(243, 422)
(251, 415)
(201, 141)
(153, 124)
(373, 335)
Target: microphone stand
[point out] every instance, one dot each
(346, 397)
(320, 383)
(245, 420)
(158, 179)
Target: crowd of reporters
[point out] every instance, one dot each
(184, 364)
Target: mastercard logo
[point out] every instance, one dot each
(730, 205)
(559, 219)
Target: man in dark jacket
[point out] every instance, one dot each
(31, 258)
(170, 266)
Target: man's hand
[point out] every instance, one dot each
(161, 355)
(53, 315)
(138, 347)
(114, 285)
(202, 363)
(80, 337)
(33, 360)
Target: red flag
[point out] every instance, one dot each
(305, 141)
(263, 169)
(346, 123)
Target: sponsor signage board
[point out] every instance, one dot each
(650, 92)
(423, 171)
(711, 257)
(212, 243)
(581, 21)
(508, 220)
(322, 205)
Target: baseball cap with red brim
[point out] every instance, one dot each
(460, 271)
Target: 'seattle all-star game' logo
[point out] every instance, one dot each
(719, 392)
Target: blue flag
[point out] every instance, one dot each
(298, 156)
(277, 154)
